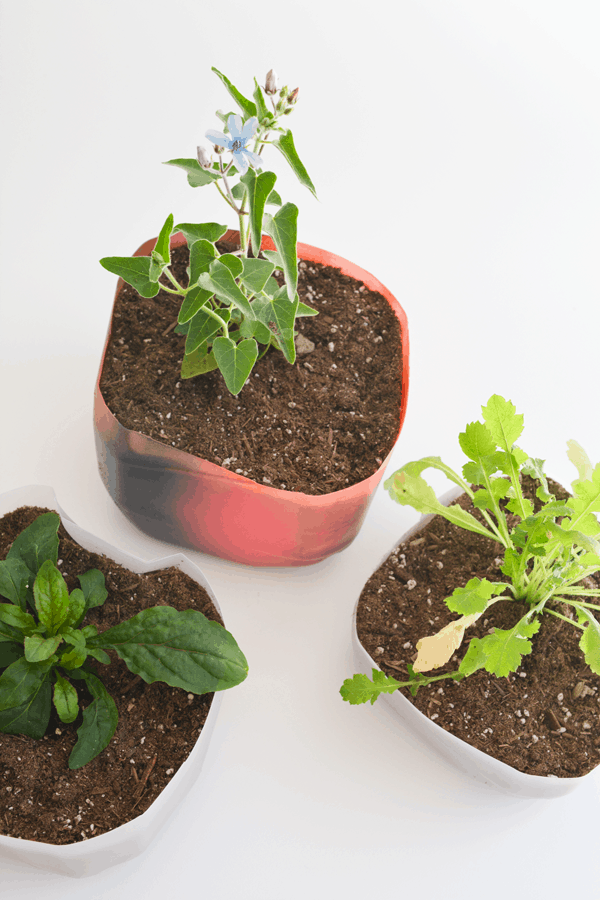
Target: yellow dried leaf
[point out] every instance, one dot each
(436, 650)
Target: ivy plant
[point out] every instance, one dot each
(46, 650)
(548, 553)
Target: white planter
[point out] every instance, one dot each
(472, 762)
(97, 853)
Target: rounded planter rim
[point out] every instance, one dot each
(183, 499)
(471, 761)
(91, 856)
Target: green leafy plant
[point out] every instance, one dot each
(44, 646)
(546, 553)
(232, 304)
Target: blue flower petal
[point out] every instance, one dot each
(254, 158)
(249, 128)
(219, 139)
(234, 123)
(240, 160)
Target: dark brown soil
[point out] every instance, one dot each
(545, 718)
(41, 798)
(323, 424)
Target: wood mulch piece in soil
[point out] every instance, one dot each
(545, 718)
(44, 800)
(323, 424)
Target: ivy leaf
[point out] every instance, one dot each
(51, 597)
(274, 199)
(38, 648)
(258, 189)
(283, 227)
(360, 688)
(233, 263)
(304, 310)
(202, 327)
(207, 231)
(183, 649)
(135, 270)
(505, 650)
(100, 721)
(195, 298)
(25, 698)
(274, 257)
(94, 588)
(220, 281)
(196, 175)
(255, 274)
(590, 639)
(198, 362)
(285, 145)
(247, 107)
(37, 543)
(202, 254)
(474, 597)
(235, 361)
(14, 581)
(65, 700)
(279, 315)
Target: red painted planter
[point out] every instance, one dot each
(176, 497)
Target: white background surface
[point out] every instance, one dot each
(454, 148)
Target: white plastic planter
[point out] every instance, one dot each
(472, 762)
(128, 840)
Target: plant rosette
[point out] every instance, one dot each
(186, 500)
(97, 852)
(238, 308)
(549, 601)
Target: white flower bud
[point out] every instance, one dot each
(203, 157)
(271, 82)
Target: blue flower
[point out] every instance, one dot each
(239, 135)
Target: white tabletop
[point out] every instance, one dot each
(454, 148)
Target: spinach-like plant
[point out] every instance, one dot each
(44, 651)
(232, 303)
(546, 553)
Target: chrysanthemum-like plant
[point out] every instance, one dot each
(547, 554)
(232, 308)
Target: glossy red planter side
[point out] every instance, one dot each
(186, 500)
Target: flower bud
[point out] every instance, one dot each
(203, 157)
(293, 96)
(271, 82)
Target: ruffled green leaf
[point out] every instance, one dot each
(590, 639)
(503, 422)
(360, 688)
(504, 650)
(474, 597)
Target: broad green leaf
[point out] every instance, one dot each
(162, 246)
(14, 580)
(37, 543)
(247, 107)
(304, 310)
(51, 597)
(207, 231)
(474, 597)
(75, 637)
(73, 659)
(233, 263)
(100, 721)
(504, 650)
(77, 608)
(202, 254)
(274, 199)
(235, 361)
(285, 144)
(255, 274)
(194, 299)
(9, 633)
(196, 175)
(100, 655)
(535, 469)
(10, 652)
(283, 228)
(38, 648)
(198, 362)
(414, 491)
(279, 315)
(239, 191)
(135, 270)
(477, 442)
(202, 327)
(15, 617)
(254, 327)
(590, 639)
(25, 698)
(183, 649)
(584, 503)
(274, 257)
(220, 281)
(94, 588)
(65, 700)
(258, 189)
(360, 688)
(474, 659)
(502, 420)
(262, 110)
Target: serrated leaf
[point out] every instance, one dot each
(235, 361)
(65, 700)
(94, 588)
(360, 689)
(255, 274)
(285, 145)
(502, 420)
(477, 442)
(283, 228)
(38, 648)
(573, 538)
(522, 507)
(247, 106)
(196, 175)
(484, 499)
(51, 597)
(198, 362)
(100, 721)
(584, 503)
(14, 580)
(590, 639)
(474, 659)
(202, 254)
(220, 281)
(194, 299)
(25, 698)
(201, 329)
(135, 270)
(207, 231)
(258, 189)
(37, 543)
(474, 597)
(504, 650)
(183, 649)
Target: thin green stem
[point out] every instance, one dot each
(207, 309)
(553, 612)
(173, 280)
(581, 592)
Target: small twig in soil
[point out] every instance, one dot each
(135, 774)
(132, 684)
(170, 328)
(142, 784)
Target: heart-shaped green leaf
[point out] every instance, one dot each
(194, 299)
(198, 362)
(207, 231)
(196, 175)
(255, 274)
(235, 361)
(135, 270)
(202, 254)
(258, 188)
(220, 281)
(283, 229)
